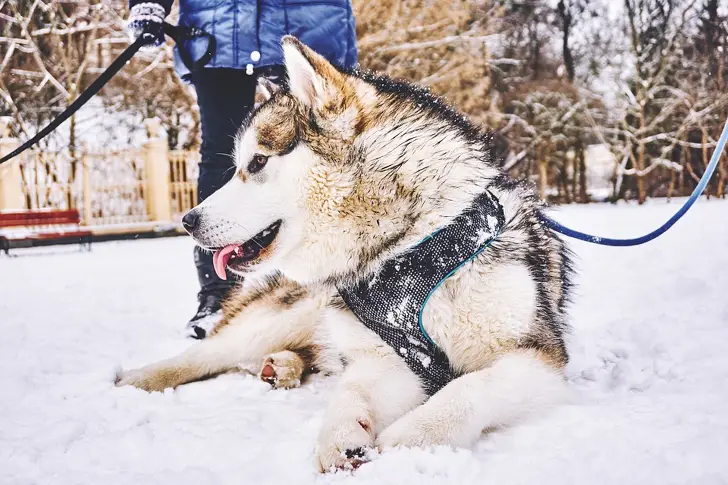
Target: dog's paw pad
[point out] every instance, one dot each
(355, 453)
(353, 458)
(346, 446)
(282, 370)
(268, 373)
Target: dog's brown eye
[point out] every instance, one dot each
(257, 163)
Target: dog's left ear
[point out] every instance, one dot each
(311, 78)
(266, 88)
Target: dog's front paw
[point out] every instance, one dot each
(282, 370)
(145, 378)
(345, 445)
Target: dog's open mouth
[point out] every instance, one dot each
(238, 256)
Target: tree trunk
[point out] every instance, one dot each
(676, 176)
(671, 186)
(705, 159)
(583, 197)
(566, 21)
(687, 157)
(574, 177)
(73, 160)
(722, 177)
(542, 175)
(628, 183)
(641, 190)
(560, 189)
(723, 162)
(568, 194)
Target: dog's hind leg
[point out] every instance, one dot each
(518, 384)
(284, 369)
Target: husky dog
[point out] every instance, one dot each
(339, 173)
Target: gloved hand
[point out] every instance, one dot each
(147, 19)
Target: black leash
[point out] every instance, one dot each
(179, 34)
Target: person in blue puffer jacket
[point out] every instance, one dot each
(248, 35)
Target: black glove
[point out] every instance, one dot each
(147, 19)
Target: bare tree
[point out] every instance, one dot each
(442, 44)
(705, 78)
(659, 109)
(546, 111)
(52, 50)
(537, 72)
(46, 50)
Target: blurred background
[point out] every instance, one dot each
(591, 100)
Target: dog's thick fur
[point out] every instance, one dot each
(360, 168)
(272, 329)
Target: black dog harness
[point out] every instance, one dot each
(391, 301)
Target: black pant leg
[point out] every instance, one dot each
(225, 98)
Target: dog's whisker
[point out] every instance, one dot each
(250, 232)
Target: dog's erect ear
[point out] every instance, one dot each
(266, 88)
(310, 76)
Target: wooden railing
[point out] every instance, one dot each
(133, 188)
(183, 181)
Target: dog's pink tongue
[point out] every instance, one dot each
(220, 260)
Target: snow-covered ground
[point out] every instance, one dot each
(649, 371)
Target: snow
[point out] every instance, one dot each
(648, 371)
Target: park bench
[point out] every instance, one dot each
(42, 228)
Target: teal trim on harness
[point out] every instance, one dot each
(427, 298)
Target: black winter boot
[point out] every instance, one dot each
(213, 292)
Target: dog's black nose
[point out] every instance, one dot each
(190, 220)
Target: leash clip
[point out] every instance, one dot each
(182, 33)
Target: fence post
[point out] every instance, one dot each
(156, 168)
(86, 185)
(11, 181)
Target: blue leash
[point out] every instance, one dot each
(605, 241)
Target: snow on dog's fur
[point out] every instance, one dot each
(340, 172)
